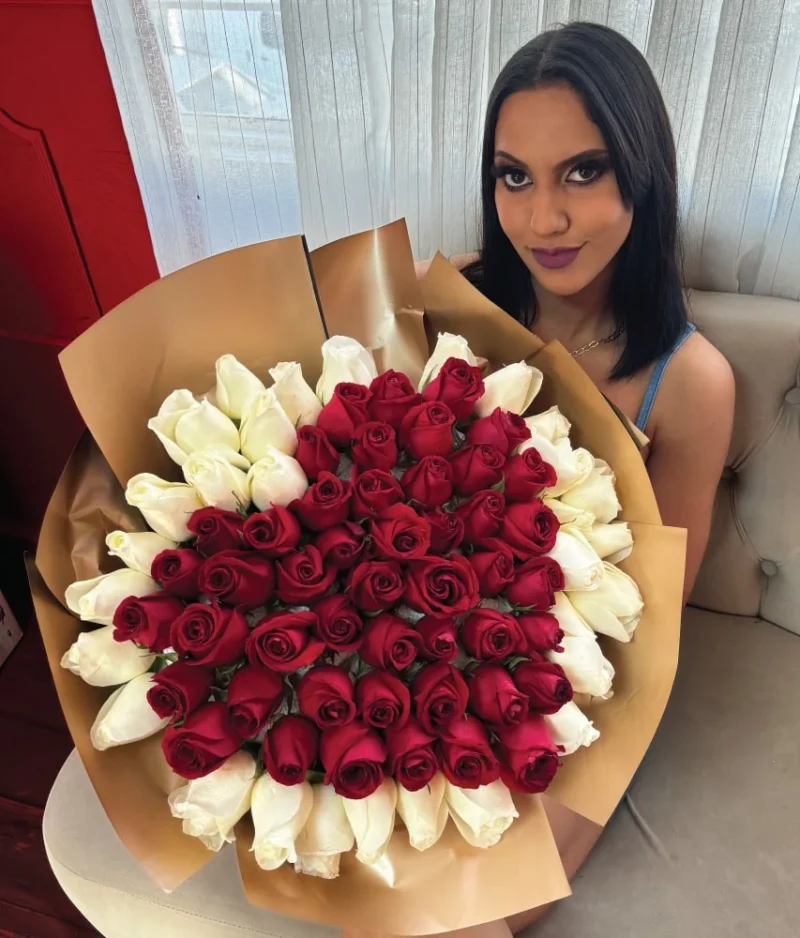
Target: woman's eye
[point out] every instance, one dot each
(585, 173)
(515, 179)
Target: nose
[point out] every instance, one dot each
(548, 212)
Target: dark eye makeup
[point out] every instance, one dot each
(583, 173)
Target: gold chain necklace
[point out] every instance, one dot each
(597, 342)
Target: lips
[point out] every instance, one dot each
(553, 258)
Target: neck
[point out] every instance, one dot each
(576, 319)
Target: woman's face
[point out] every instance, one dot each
(556, 193)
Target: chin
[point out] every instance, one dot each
(563, 282)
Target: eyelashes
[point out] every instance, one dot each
(581, 174)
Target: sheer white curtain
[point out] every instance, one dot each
(252, 119)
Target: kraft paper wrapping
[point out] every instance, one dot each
(273, 302)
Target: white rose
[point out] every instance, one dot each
(138, 549)
(265, 424)
(567, 515)
(583, 569)
(571, 465)
(569, 620)
(165, 506)
(344, 360)
(96, 600)
(587, 669)
(613, 542)
(512, 388)
(185, 425)
(279, 814)
(551, 424)
(276, 479)
(372, 821)
(596, 493)
(126, 716)
(218, 482)
(447, 346)
(615, 607)
(570, 728)
(326, 836)
(236, 385)
(482, 815)
(424, 812)
(301, 404)
(102, 661)
(210, 807)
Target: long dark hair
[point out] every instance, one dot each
(622, 98)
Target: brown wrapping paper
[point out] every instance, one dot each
(273, 302)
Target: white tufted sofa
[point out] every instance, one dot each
(707, 841)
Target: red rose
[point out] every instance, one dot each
(427, 429)
(528, 757)
(344, 413)
(177, 571)
(375, 585)
(482, 515)
(325, 695)
(493, 566)
(325, 503)
(544, 684)
(467, 757)
(400, 534)
(342, 545)
(315, 453)
(535, 583)
(526, 474)
(412, 755)
(440, 696)
(216, 530)
(338, 623)
(254, 694)
(437, 638)
(494, 697)
(375, 446)
(202, 743)
(540, 631)
(458, 384)
(303, 577)
(209, 636)
(275, 532)
(383, 700)
(284, 641)
(429, 482)
(178, 689)
(290, 749)
(441, 587)
(238, 578)
(353, 758)
(490, 635)
(500, 429)
(392, 397)
(147, 620)
(389, 642)
(476, 468)
(447, 530)
(529, 528)
(373, 492)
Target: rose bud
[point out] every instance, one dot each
(412, 755)
(427, 430)
(429, 482)
(493, 565)
(373, 492)
(535, 583)
(284, 641)
(290, 749)
(544, 684)
(342, 546)
(302, 577)
(238, 578)
(216, 530)
(440, 696)
(447, 530)
(467, 757)
(274, 532)
(529, 529)
(177, 571)
(482, 515)
(375, 446)
(178, 689)
(353, 758)
(383, 700)
(344, 413)
(528, 757)
(209, 636)
(388, 642)
(501, 429)
(400, 534)
(526, 475)
(339, 624)
(541, 632)
(147, 620)
(392, 397)
(476, 468)
(458, 384)
(375, 585)
(441, 587)
(202, 743)
(494, 697)
(490, 635)
(437, 638)
(325, 695)
(325, 503)
(254, 694)
(315, 453)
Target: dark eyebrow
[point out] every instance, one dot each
(593, 154)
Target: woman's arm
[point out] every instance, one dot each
(459, 261)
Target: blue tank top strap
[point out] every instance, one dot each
(657, 377)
